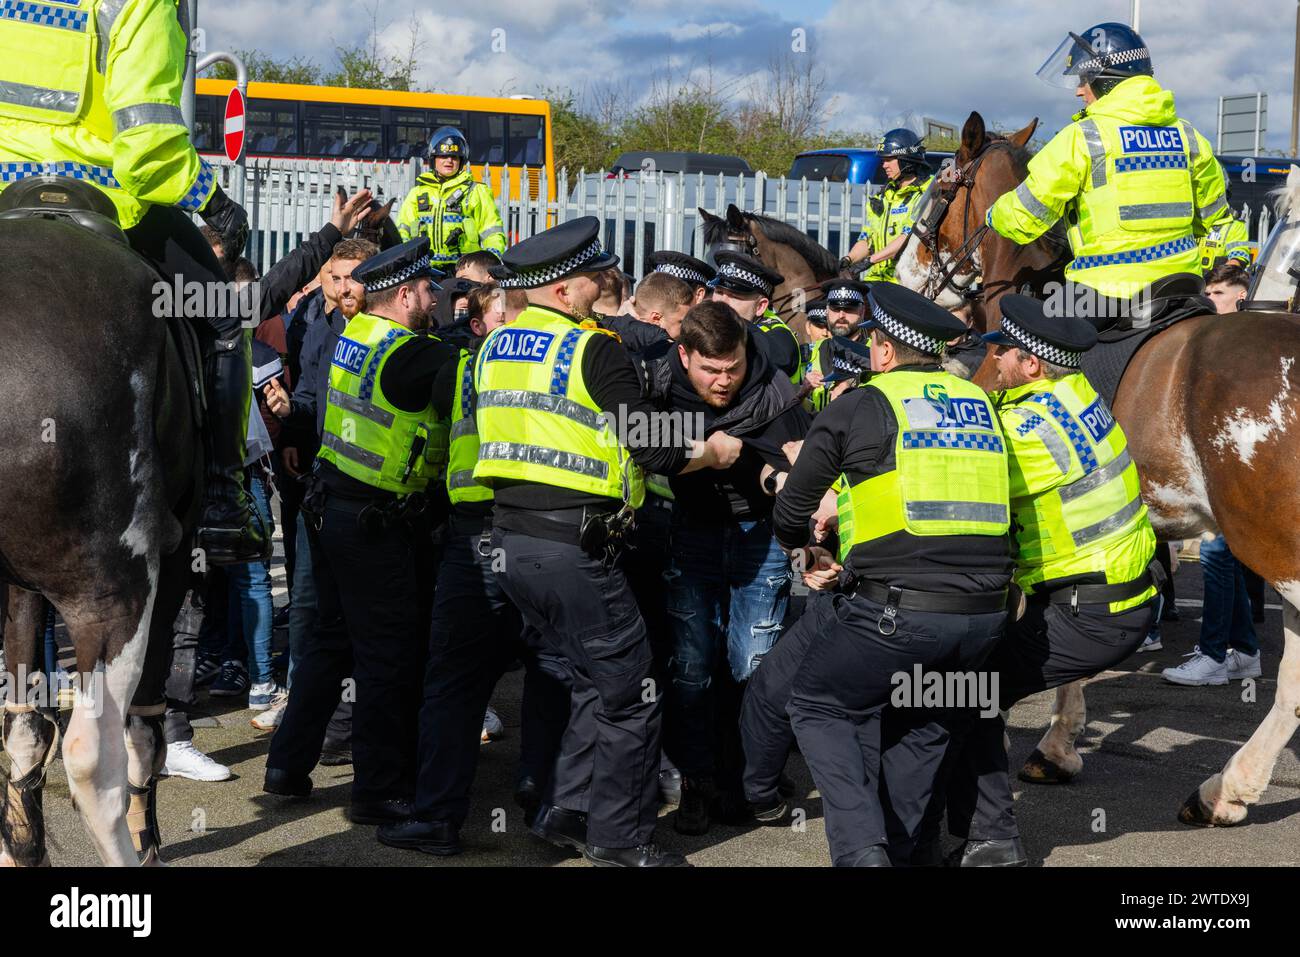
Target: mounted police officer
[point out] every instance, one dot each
(1084, 553)
(548, 391)
(456, 214)
(890, 214)
(923, 520)
(1136, 184)
(371, 557)
(91, 90)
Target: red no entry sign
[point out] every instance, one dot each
(234, 125)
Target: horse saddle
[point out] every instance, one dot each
(1158, 306)
(60, 197)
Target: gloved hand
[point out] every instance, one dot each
(230, 220)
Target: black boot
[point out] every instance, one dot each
(230, 529)
(693, 810)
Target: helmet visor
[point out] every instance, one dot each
(1073, 64)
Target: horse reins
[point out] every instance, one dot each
(938, 279)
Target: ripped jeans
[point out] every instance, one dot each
(728, 588)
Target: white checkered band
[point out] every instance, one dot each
(684, 273)
(1113, 59)
(840, 293)
(545, 275)
(906, 334)
(731, 270)
(817, 312)
(396, 279)
(1044, 350)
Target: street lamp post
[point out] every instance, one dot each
(1136, 18)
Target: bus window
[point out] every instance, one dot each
(527, 147)
(487, 138)
(272, 128)
(208, 113)
(342, 131)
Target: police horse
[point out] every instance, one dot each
(1210, 406)
(101, 470)
(1211, 413)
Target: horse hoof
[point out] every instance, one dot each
(151, 859)
(1194, 814)
(1038, 769)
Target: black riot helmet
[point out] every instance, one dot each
(449, 141)
(1102, 57)
(906, 147)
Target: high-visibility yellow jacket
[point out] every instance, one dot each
(889, 216)
(457, 214)
(1137, 185)
(1076, 504)
(463, 438)
(1230, 240)
(91, 89)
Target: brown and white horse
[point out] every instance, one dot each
(1211, 410)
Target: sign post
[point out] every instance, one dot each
(234, 130)
(1242, 122)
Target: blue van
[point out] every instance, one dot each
(849, 165)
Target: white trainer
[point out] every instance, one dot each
(1197, 670)
(184, 760)
(492, 726)
(1152, 642)
(1241, 665)
(270, 719)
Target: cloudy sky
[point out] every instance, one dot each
(883, 60)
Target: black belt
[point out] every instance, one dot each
(940, 603)
(1084, 594)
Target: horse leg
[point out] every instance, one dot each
(94, 751)
(1223, 799)
(146, 744)
(28, 734)
(1055, 761)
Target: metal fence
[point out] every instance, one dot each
(641, 212)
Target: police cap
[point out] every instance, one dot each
(688, 269)
(910, 318)
(816, 312)
(397, 265)
(555, 253)
(745, 274)
(1060, 340)
(845, 293)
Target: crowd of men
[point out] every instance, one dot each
(492, 455)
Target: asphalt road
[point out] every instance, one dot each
(1147, 745)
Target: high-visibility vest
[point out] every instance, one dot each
(817, 399)
(91, 89)
(950, 466)
(536, 420)
(366, 436)
(463, 456)
(438, 208)
(889, 215)
(1133, 180)
(1230, 240)
(773, 325)
(1075, 496)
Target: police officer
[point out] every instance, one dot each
(371, 558)
(923, 519)
(95, 95)
(890, 214)
(456, 214)
(1136, 183)
(548, 392)
(845, 309)
(746, 285)
(1230, 240)
(1084, 553)
(694, 272)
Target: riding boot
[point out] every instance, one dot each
(230, 530)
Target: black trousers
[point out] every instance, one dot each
(644, 563)
(371, 590)
(476, 634)
(584, 611)
(838, 694)
(1047, 648)
(168, 238)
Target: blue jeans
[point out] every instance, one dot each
(302, 613)
(250, 599)
(728, 588)
(1226, 620)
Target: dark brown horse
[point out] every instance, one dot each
(1212, 416)
(795, 255)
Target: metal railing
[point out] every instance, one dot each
(642, 212)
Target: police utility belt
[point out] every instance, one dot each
(379, 512)
(1079, 593)
(897, 599)
(597, 531)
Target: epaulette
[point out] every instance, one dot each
(596, 327)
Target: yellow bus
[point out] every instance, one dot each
(338, 123)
